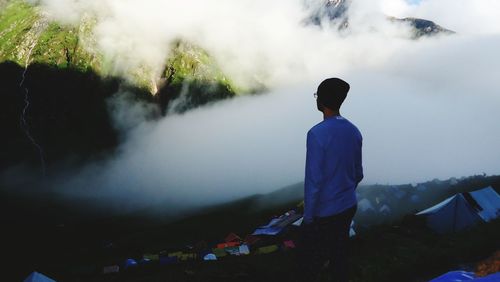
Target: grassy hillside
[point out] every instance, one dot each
(28, 35)
(67, 78)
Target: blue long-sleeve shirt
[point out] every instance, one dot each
(333, 167)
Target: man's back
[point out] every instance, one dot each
(333, 167)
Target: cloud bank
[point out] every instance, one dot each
(427, 108)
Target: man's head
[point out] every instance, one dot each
(331, 94)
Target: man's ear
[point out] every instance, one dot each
(319, 105)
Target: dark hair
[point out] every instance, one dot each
(332, 92)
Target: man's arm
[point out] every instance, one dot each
(313, 176)
(359, 164)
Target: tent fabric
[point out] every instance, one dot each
(234, 251)
(365, 205)
(385, 209)
(267, 249)
(463, 210)
(277, 225)
(489, 201)
(130, 263)
(232, 237)
(244, 250)
(460, 276)
(455, 276)
(151, 257)
(219, 252)
(38, 277)
(187, 256)
(453, 214)
(228, 245)
(289, 244)
(210, 257)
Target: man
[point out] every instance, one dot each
(333, 171)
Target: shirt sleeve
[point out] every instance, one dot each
(359, 164)
(313, 176)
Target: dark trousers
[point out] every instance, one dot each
(325, 242)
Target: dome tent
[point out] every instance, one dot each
(37, 277)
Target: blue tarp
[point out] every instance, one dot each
(38, 277)
(455, 276)
(461, 276)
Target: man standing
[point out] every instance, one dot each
(333, 171)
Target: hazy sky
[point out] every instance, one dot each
(427, 108)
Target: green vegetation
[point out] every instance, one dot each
(25, 34)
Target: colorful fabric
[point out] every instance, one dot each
(151, 257)
(267, 249)
(289, 244)
(219, 252)
(244, 250)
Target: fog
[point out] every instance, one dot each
(427, 108)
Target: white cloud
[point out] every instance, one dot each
(427, 108)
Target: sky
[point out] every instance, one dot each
(427, 108)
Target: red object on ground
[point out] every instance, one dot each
(289, 244)
(227, 245)
(232, 237)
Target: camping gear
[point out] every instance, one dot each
(244, 250)
(219, 252)
(489, 203)
(210, 257)
(289, 244)
(463, 210)
(38, 277)
(234, 251)
(111, 269)
(457, 276)
(277, 225)
(151, 257)
(129, 263)
(267, 249)
(228, 245)
(461, 276)
(232, 237)
(187, 256)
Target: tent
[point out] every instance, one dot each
(489, 203)
(129, 263)
(278, 224)
(385, 209)
(365, 205)
(37, 277)
(232, 237)
(463, 210)
(462, 276)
